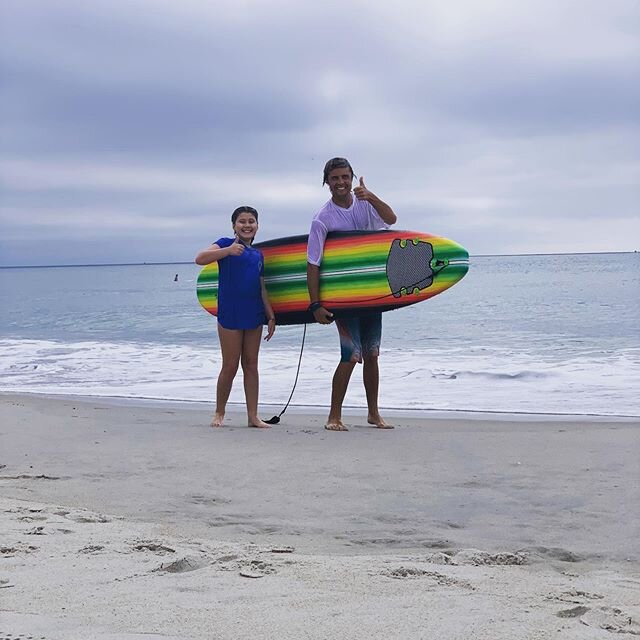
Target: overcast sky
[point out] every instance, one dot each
(130, 129)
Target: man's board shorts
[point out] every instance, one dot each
(359, 336)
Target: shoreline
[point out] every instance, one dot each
(130, 519)
(321, 410)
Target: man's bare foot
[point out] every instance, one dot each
(258, 424)
(217, 420)
(335, 425)
(379, 422)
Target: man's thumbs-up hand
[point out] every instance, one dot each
(361, 192)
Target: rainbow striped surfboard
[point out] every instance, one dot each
(360, 271)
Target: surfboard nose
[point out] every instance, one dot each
(409, 266)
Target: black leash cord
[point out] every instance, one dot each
(276, 419)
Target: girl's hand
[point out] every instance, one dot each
(271, 327)
(237, 248)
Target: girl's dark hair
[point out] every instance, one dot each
(243, 209)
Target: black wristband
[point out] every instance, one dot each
(314, 306)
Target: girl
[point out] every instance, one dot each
(242, 306)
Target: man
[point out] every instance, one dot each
(359, 335)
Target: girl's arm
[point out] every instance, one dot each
(215, 253)
(271, 318)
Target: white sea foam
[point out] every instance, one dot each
(481, 379)
(542, 334)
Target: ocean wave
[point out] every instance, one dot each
(423, 379)
(492, 375)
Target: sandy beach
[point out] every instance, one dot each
(137, 520)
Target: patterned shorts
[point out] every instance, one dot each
(359, 336)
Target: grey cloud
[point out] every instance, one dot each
(463, 134)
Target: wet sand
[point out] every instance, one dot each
(139, 520)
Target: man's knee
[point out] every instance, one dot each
(371, 358)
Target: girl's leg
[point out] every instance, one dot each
(250, 349)
(231, 347)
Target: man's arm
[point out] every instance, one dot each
(315, 249)
(322, 315)
(382, 208)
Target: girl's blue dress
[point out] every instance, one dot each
(240, 303)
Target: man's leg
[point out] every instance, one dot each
(339, 386)
(371, 378)
(371, 336)
(350, 350)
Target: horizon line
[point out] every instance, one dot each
(142, 264)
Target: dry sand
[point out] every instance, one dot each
(139, 521)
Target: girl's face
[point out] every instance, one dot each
(245, 227)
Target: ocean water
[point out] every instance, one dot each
(543, 334)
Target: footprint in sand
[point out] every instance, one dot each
(256, 569)
(92, 548)
(31, 518)
(227, 562)
(28, 476)
(416, 572)
(405, 572)
(208, 500)
(575, 596)
(439, 558)
(36, 531)
(556, 553)
(574, 612)
(182, 566)
(611, 619)
(10, 552)
(150, 545)
(86, 517)
(481, 558)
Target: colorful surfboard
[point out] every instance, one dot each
(360, 271)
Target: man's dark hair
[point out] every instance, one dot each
(336, 163)
(243, 209)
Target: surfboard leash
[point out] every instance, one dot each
(276, 419)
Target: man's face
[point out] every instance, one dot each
(339, 181)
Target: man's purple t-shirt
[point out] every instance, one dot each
(360, 216)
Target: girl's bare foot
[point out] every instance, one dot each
(258, 424)
(217, 420)
(379, 422)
